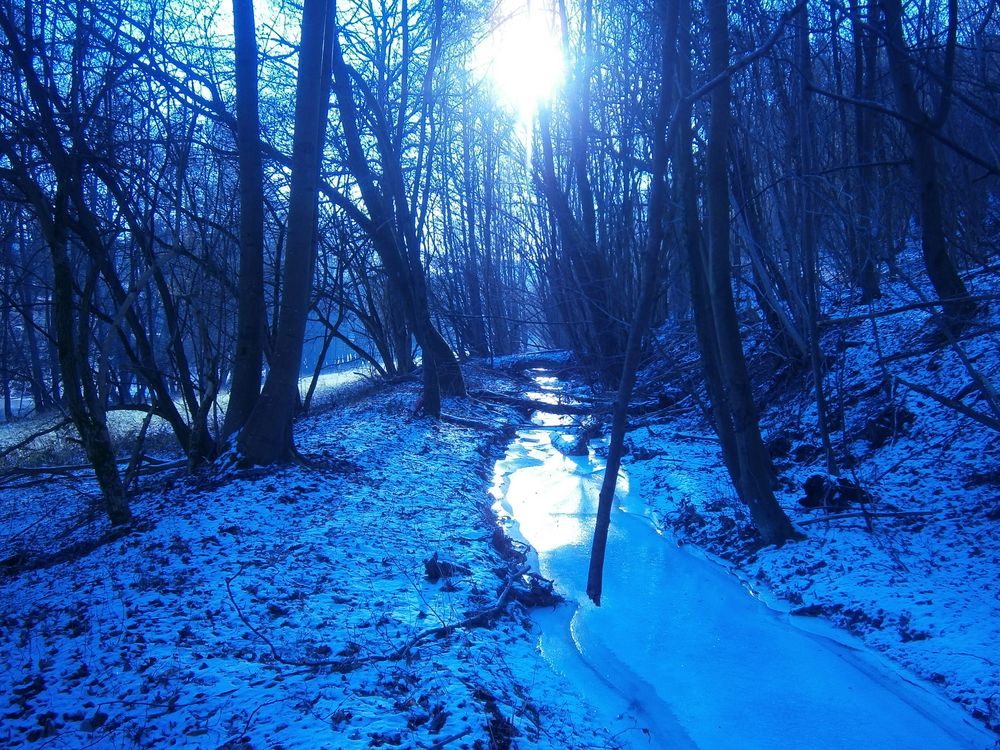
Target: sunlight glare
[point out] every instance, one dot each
(522, 54)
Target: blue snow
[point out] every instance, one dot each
(683, 650)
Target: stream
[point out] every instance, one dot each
(681, 654)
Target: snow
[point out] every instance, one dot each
(134, 641)
(209, 623)
(923, 590)
(124, 424)
(680, 645)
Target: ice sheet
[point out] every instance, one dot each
(684, 648)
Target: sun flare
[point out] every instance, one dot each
(522, 54)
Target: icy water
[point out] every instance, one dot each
(680, 654)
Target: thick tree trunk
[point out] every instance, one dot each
(755, 472)
(249, 354)
(86, 412)
(687, 195)
(940, 267)
(267, 436)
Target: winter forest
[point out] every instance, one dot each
(500, 374)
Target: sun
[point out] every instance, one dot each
(522, 54)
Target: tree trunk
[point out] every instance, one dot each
(39, 394)
(809, 230)
(86, 412)
(755, 472)
(687, 195)
(652, 255)
(940, 268)
(267, 436)
(865, 254)
(249, 355)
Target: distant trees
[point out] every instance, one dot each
(656, 216)
(399, 121)
(921, 129)
(591, 163)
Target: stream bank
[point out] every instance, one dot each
(680, 650)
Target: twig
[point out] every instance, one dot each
(447, 740)
(864, 515)
(351, 663)
(246, 724)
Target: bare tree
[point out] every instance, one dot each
(267, 436)
(249, 354)
(921, 129)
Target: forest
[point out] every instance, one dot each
(297, 297)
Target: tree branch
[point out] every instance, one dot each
(951, 403)
(350, 663)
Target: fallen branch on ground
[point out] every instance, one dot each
(951, 403)
(452, 738)
(151, 465)
(527, 403)
(967, 335)
(923, 305)
(697, 438)
(470, 423)
(34, 436)
(880, 514)
(350, 663)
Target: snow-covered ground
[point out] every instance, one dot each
(922, 584)
(682, 651)
(58, 447)
(291, 608)
(271, 608)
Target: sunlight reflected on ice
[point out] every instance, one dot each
(669, 645)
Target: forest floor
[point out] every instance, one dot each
(906, 555)
(283, 608)
(292, 607)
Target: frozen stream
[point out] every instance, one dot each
(680, 648)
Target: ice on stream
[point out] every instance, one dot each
(680, 654)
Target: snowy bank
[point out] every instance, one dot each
(272, 607)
